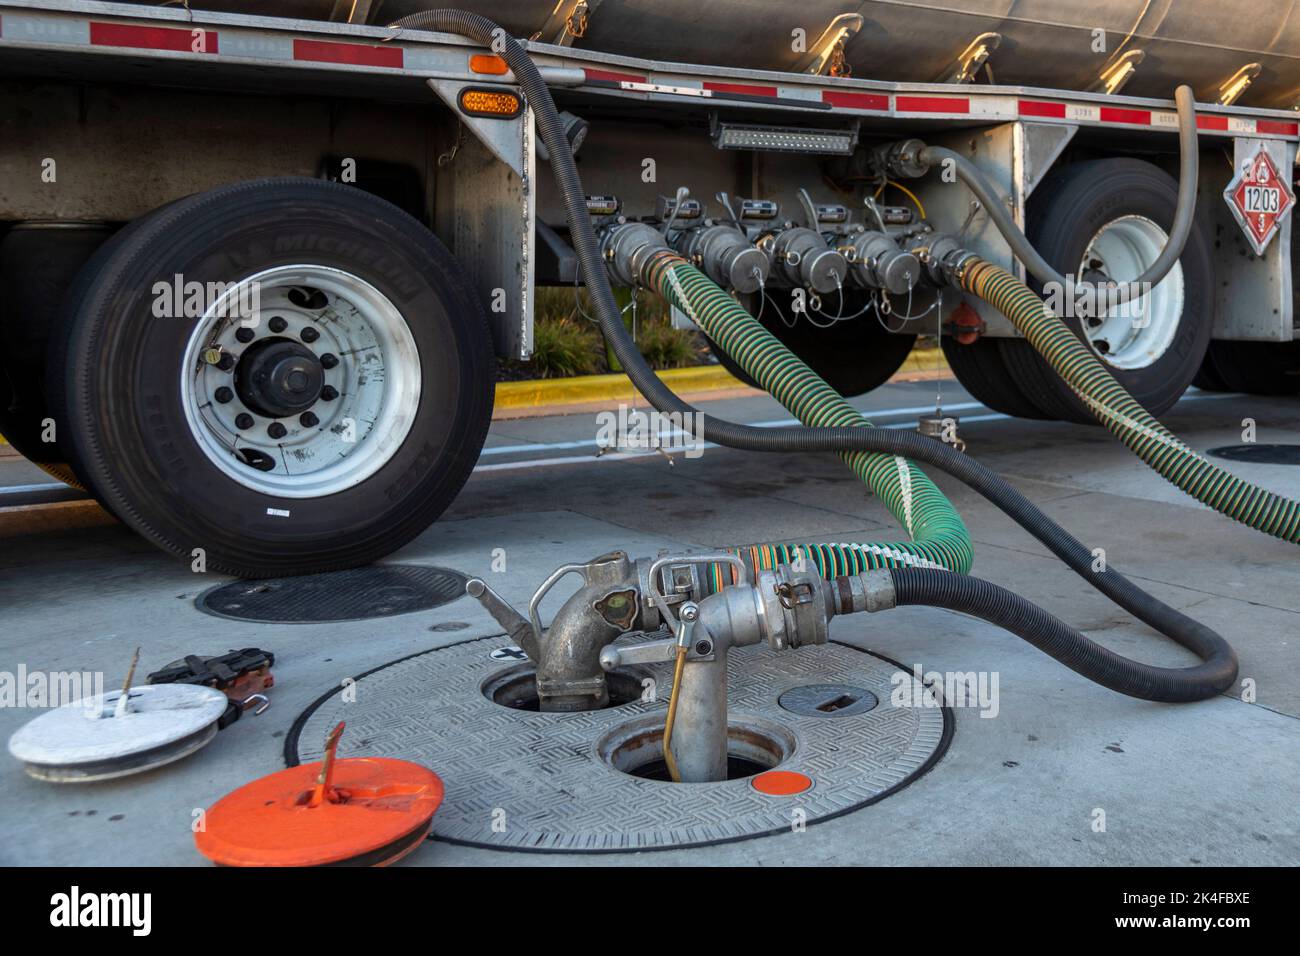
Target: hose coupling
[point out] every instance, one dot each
(870, 591)
(904, 159)
(941, 257)
(628, 247)
(794, 607)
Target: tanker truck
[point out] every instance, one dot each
(258, 258)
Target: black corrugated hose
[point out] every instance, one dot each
(935, 588)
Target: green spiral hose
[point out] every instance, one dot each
(938, 537)
(1115, 408)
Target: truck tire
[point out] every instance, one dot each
(38, 261)
(1110, 218)
(853, 356)
(982, 372)
(276, 377)
(1256, 368)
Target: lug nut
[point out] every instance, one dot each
(277, 324)
(245, 334)
(310, 335)
(223, 395)
(276, 430)
(329, 360)
(308, 420)
(243, 420)
(329, 393)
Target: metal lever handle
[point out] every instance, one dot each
(661, 602)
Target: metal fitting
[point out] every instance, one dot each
(726, 256)
(627, 247)
(940, 255)
(902, 159)
(869, 591)
(878, 263)
(802, 257)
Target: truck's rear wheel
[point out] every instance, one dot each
(290, 375)
(1256, 368)
(38, 261)
(981, 371)
(853, 356)
(1108, 220)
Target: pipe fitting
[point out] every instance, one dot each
(627, 247)
(878, 263)
(938, 253)
(802, 258)
(726, 256)
(870, 591)
(905, 159)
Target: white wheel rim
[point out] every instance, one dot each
(376, 378)
(1136, 334)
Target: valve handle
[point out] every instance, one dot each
(661, 601)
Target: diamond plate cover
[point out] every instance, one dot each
(519, 780)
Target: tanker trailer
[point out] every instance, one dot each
(258, 258)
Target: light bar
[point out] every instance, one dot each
(785, 139)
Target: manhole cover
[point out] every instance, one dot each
(1260, 454)
(381, 590)
(525, 780)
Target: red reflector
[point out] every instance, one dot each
(932, 104)
(1040, 108)
(1113, 114)
(742, 88)
(1276, 127)
(153, 38)
(353, 54)
(1212, 122)
(856, 101)
(612, 77)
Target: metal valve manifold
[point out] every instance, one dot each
(787, 607)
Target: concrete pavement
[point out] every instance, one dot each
(1067, 772)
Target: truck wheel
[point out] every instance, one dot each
(853, 356)
(981, 371)
(1110, 218)
(38, 261)
(1256, 368)
(291, 375)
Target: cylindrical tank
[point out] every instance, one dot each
(1045, 43)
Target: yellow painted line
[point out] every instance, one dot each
(584, 389)
(601, 388)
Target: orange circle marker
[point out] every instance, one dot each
(357, 811)
(781, 783)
